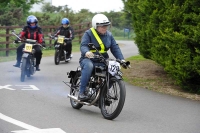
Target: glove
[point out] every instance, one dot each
(68, 42)
(123, 61)
(125, 64)
(43, 44)
(89, 54)
(69, 39)
(16, 41)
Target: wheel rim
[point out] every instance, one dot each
(75, 91)
(111, 100)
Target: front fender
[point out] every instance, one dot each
(118, 77)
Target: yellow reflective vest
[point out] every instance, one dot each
(98, 40)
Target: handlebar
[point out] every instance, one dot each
(56, 38)
(124, 64)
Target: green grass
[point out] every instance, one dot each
(137, 57)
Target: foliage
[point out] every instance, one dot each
(13, 12)
(168, 32)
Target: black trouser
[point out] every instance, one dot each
(68, 48)
(38, 53)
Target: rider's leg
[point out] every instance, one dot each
(19, 55)
(38, 56)
(86, 71)
(68, 49)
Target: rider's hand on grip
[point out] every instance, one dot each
(68, 39)
(125, 64)
(43, 44)
(16, 41)
(89, 54)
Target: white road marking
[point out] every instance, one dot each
(25, 87)
(6, 87)
(16, 122)
(31, 87)
(30, 129)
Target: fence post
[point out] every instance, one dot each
(50, 41)
(7, 41)
(79, 33)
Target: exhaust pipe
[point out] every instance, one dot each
(75, 99)
(84, 103)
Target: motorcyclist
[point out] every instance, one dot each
(67, 31)
(100, 24)
(31, 31)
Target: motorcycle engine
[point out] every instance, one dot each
(91, 92)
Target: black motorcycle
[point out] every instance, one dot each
(28, 58)
(105, 89)
(60, 52)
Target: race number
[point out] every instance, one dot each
(28, 47)
(113, 67)
(61, 39)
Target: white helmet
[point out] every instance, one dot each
(99, 20)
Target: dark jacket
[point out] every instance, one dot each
(67, 32)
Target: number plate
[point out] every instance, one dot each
(113, 67)
(28, 47)
(61, 39)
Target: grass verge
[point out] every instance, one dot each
(149, 75)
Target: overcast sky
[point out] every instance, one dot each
(92, 5)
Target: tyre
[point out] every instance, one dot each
(112, 101)
(57, 57)
(74, 91)
(23, 69)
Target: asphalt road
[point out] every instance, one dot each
(40, 105)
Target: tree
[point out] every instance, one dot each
(12, 11)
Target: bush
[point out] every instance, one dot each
(168, 33)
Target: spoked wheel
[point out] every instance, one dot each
(75, 90)
(23, 69)
(57, 57)
(112, 101)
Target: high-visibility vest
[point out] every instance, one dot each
(99, 41)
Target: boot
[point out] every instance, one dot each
(82, 97)
(37, 68)
(67, 57)
(17, 64)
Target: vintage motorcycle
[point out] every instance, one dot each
(105, 89)
(28, 58)
(60, 52)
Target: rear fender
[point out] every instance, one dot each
(25, 55)
(72, 74)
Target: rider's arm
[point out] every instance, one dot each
(71, 31)
(115, 50)
(23, 32)
(57, 32)
(84, 44)
(40, 36)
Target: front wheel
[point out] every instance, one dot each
(112, 100)
(23, 69)
(57, 57)
(74, 91)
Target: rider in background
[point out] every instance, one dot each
(67, 31)
(100, 24)
(31, 31)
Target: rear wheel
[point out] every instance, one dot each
(57, 57)
(112, 101)
(23, 69)
(75, 90)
